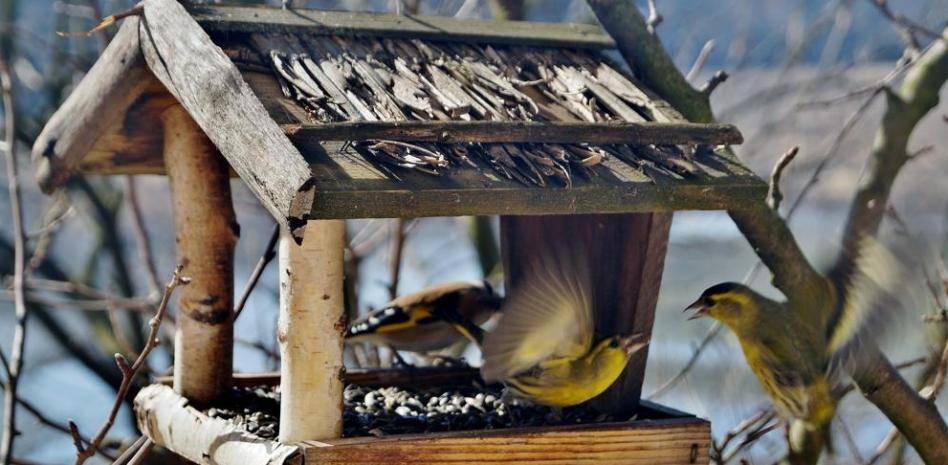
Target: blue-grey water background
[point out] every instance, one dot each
(779, 53)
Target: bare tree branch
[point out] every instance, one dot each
(751, 429)
(15, 364)
(142, 452)
(654, 17)
(774, 195)
(908, 27)
(130, 452)
(269, 252)
(769, 234)
(129, 371)
(651, 62)
(717, 79)
(398, 248)
(141, 236)
(700, 61)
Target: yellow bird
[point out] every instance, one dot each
(800, 350)
(417, 322)
(544, 348)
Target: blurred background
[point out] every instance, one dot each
(789, 61)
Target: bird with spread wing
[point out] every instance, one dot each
(544, 348)
(801, 350)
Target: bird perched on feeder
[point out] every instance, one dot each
(417, 322)
(799, 350)
(544, 348)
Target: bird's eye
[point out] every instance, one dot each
(709, 301)
(614, 343)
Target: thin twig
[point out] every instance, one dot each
(142, 241)
(398, 248)
(268, 253)
(700, 60)
(129, 371)
(774, 195)
(717, 79)
(142, 452)
(850, 441)
(98, 305)
(752, 429)
(928, 392)
(908, 26)
(130, 451)
(42, 418)
(15, 363)
(709, 336)
(654, 17)
(892, 75)
(43, 237)
(108, 21)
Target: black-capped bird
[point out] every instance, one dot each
(799, 350)
(417, 322)
(544, 348)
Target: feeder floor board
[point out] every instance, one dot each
(657, 436)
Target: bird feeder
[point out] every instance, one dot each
(328, 116)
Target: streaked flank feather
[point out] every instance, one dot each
(800, 350)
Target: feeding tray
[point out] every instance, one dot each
(653, 434)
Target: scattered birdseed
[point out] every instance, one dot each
(395, 410)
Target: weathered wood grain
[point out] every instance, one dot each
(166, 418)
(642, 254)
(649, 442)
(97, 104)
(346, 23)
(311, 331)
(204, 80)
(205, 234)
(520, 131)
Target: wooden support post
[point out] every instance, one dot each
(627, 254)
(206, 233)
(311, 329)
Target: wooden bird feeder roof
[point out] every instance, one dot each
(355, 115)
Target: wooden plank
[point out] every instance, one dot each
(297, 21)
(131, 145)
(407, 203)
(612, 132)
(640, 246)
(116, 80)
(204, 80)
(680, 441)
(205, 234)
(166, 418)
(311, 332)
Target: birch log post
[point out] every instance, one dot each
(205, 233)
(311, 328)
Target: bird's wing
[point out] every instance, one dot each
(432, 294)
(547, 317)
(390, 318)
(885, 279)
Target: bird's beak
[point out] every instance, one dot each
(634, 343)
(698, 309)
